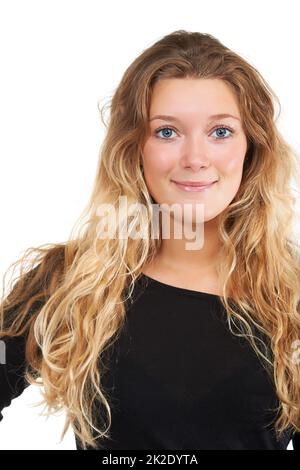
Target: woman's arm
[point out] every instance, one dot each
(296, 441)
(12, 369)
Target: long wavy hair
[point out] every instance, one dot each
(69, 299)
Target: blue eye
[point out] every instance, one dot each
(220, 136)
(164, 129)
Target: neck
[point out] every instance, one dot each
(174, 253)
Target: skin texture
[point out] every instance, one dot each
(195, 149)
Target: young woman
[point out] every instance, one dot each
(148, 342)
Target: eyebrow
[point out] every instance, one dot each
(165, 117)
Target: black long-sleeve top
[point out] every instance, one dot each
(177, 378)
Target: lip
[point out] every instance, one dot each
(193, 187)
(194, 183)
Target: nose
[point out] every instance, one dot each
(195, 154)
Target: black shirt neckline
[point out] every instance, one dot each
(180, 290)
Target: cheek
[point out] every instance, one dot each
(157, 160)
(231, 162)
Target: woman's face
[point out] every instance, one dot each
(194, 145)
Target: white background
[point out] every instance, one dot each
(60, 59)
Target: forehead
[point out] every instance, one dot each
(193, 97)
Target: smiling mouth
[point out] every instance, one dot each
(193, 188)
